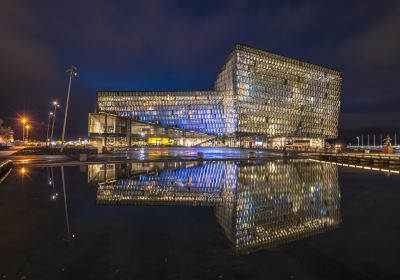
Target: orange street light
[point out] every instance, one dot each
(23, 128)
(27, 132)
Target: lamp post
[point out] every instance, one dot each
(374, 140)
(56, 105)
(27, 132)
(358, 141)
(23, 129)
(48, 127)
(72, 73)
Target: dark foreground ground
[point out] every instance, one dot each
(142, 242)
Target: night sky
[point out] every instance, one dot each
(176, 45)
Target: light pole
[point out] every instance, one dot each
(27, 133)
(72, 73)
(368, 140)
(374, 140)
(48, 127)
(23, 129)
(362, 141)
(56, 105)
(358, 141)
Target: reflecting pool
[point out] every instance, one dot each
(257, 204)
(199, 220)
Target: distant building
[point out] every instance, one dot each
(6, 134)
(258, 99)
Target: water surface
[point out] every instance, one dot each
(200, 220)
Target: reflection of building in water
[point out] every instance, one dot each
(98, 173)
(275, 203)
(167, 183)
(258, 204)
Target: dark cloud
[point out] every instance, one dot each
(378, 45)
(158, 44)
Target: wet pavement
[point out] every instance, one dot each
(151, 154)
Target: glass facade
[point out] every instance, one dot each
(282, 97)
(257, 94)
(112, 130)
(257, 204)
(193, 110)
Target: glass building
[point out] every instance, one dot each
(258, 99)
(257, 204)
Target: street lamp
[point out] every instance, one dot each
(358, 141)
(56, 105)
(23, 129)
(72, 73)
(48, 127)
(27, 132)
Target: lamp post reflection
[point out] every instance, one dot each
(49, 178)
(23, 173)
(52, 183)
(70, 235)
